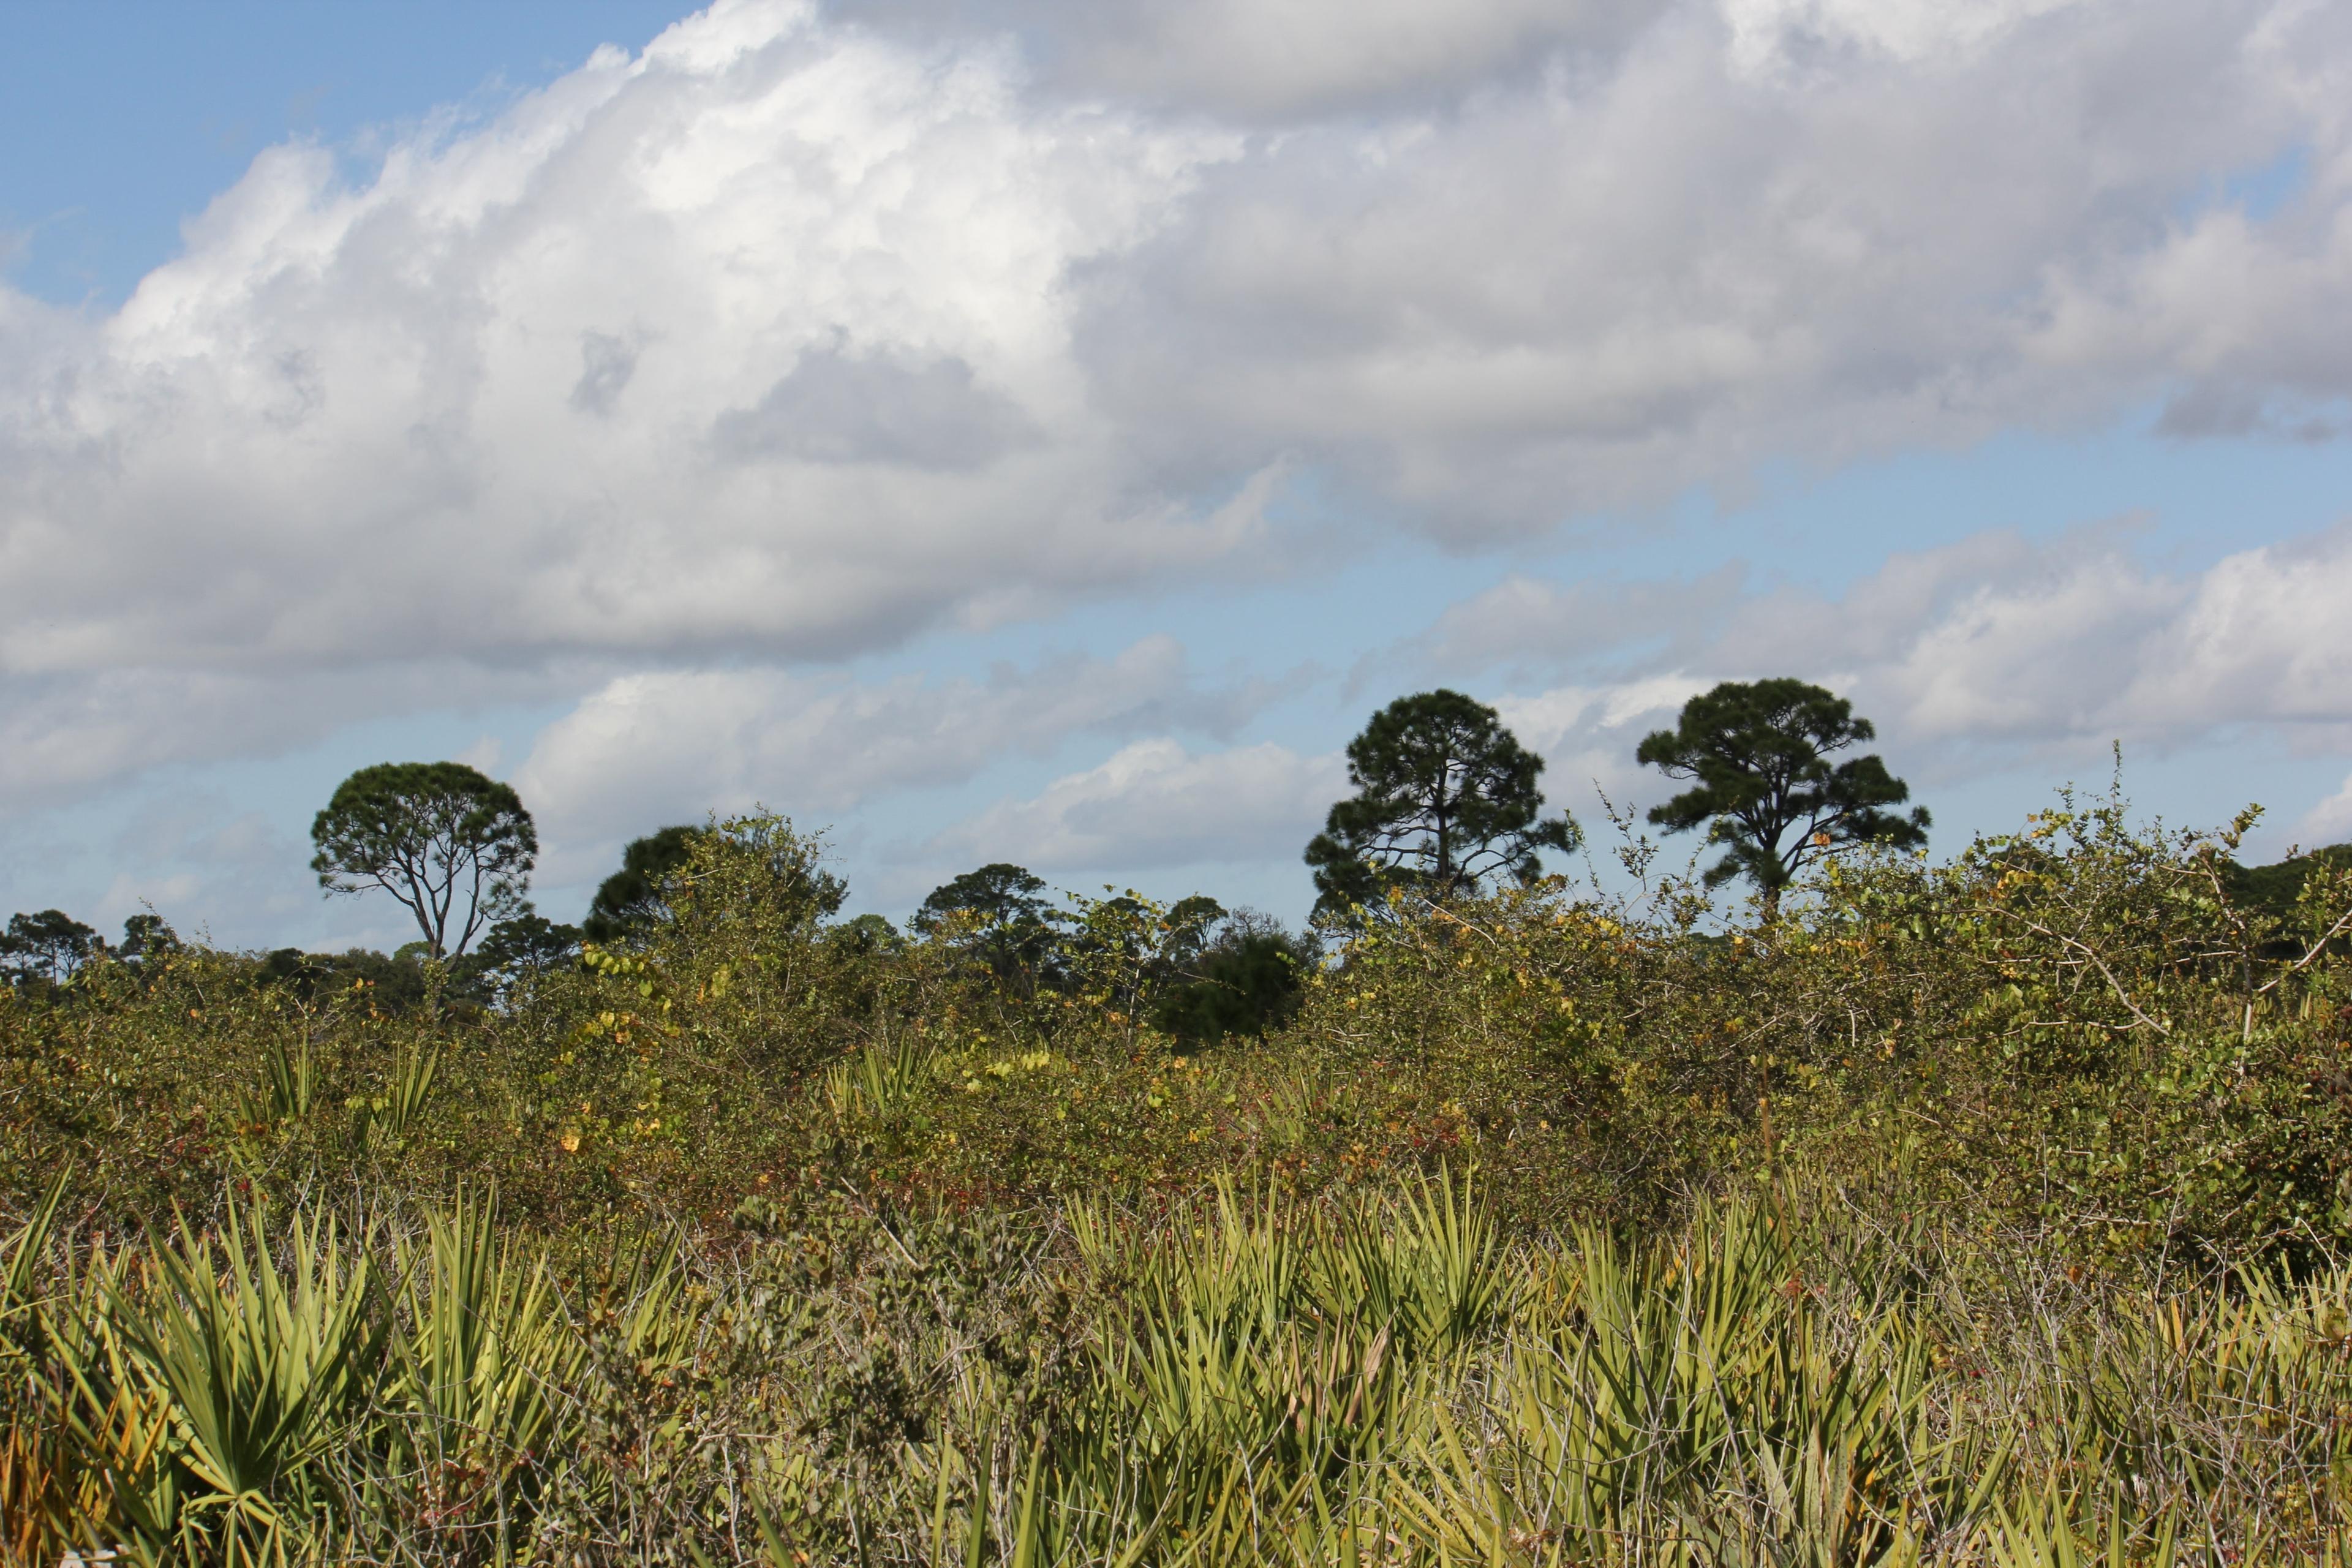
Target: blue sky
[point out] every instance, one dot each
(1038, 432)
(123, 117)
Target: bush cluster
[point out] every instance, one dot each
(1959, 1207)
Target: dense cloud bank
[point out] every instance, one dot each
(804, 332)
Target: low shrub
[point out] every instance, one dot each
(1975, 1210)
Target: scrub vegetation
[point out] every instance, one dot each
(1988, 1210)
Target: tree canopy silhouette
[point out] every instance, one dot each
(1005, 918)
(1247, 977)
(630, 899)
(453, 846)
(1758, 754)
(45, 947)
(1445, 799)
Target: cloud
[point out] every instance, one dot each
(65, 737)
(1587, 734)
(1978, 653)
(1767, 34)
(2261, 637)
(503, 399)
(834, 408)
(1520, 617)
(2329, 822)
(799, 334)
(1278, 60)
(1155, 803)
(1595, 288)
(649, 748)
(606, 363)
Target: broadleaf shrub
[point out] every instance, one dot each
(2005, 1195)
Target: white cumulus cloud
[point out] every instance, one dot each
(1981, 652)
(1281, 60)
(650, 748)
(802, 332)
(1155, 803)
(757, 339)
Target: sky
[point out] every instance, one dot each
(1038, 431)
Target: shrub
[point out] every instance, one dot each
(1970, 1211)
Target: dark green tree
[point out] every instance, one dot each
(527, 944)
(763, 868)
(454, 847)
(1445, 799)
(147, 936)
(1758, 754)
(46, 948)
(396, 982)
(999, 911)
(2273, 889)
(1246, 978)
(1193, 923)
(2273, 897)
(517, 949)
(630, 901)
(868, 934)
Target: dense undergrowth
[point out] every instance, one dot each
(1988, 1212)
